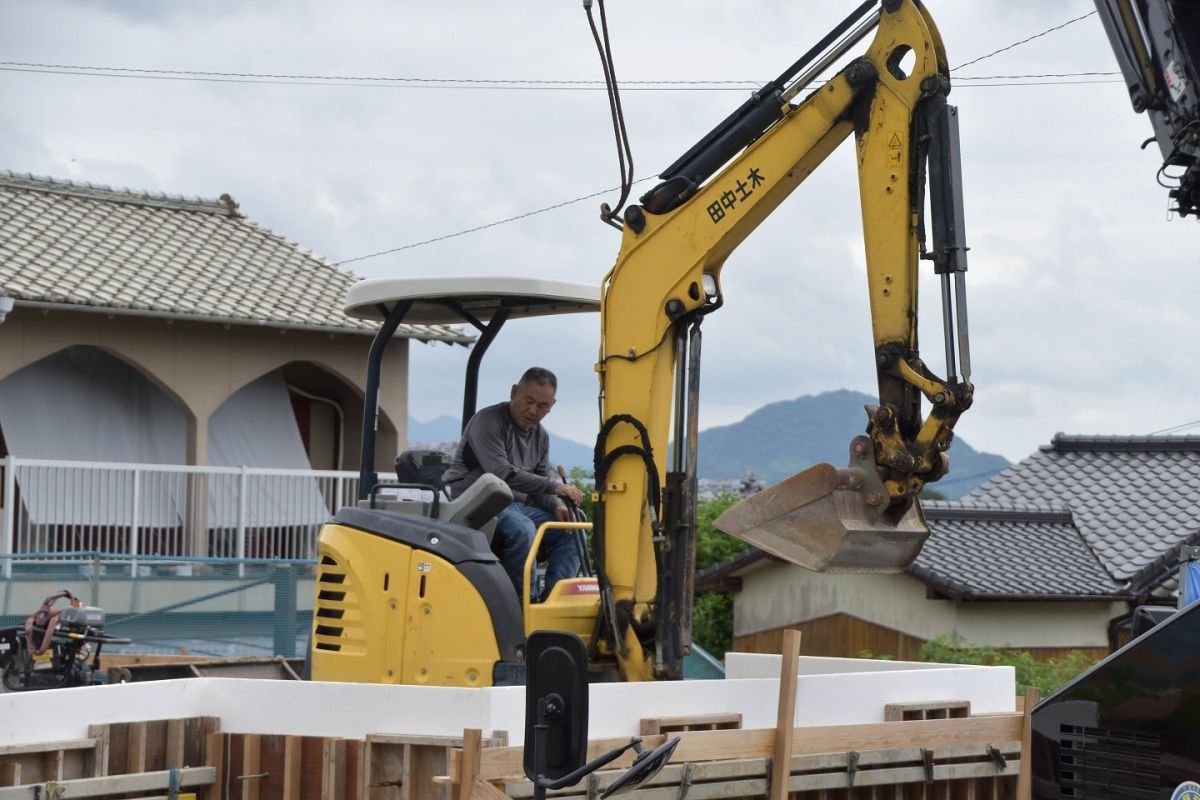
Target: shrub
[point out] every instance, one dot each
(1046, 675)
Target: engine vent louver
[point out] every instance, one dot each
(335, 592)
(1108, 764)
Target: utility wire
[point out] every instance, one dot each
(1176, 428)
(508, 84)
(564, 86)
(483, 227)
(559, 86)
(491, 83)
(1035, 75)
(1024, 41)
(282, 76)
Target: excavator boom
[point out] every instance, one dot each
(667, 279)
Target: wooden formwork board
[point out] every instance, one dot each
(404, 767)
(251, 766)
(954, 772)
(51, 761)
(976, 757)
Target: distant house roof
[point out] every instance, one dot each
(84, 247)
(1133, 498)
(1085, 516)
(977, 551)
(988, 552)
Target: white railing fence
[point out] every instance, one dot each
(166, 510)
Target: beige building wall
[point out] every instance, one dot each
(777, 595)
(200, 365)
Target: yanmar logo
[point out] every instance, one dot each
(592, 587)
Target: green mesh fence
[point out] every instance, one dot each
(172, 606)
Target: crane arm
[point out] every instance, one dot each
(1157, 45)
(667, 277)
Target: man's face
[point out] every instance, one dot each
(530, 402)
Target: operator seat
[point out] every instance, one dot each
(476, 507)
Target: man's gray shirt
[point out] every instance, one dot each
(493, 443)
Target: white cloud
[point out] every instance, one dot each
(1080, 290)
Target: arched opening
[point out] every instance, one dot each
(82, 403)
(328, 410)
(71, 421)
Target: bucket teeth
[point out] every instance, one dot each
(831, 520)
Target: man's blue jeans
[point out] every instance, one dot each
(515, 529)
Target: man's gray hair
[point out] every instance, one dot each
(540, 375)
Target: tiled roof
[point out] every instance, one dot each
(95, 247)
(987, 551)
(1133, 498)
(980, 551)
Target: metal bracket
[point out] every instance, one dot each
(174, 783)
(997, 757)
(927, 759)
(685, 782)
(851, 767)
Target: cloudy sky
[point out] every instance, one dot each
(1081, 290)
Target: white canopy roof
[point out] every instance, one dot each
(480, 296)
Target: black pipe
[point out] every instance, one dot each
(391, 321)
(737, 131)
(471, 386)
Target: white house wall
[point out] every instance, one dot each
(201, 364)
(777, 595)
(781, 594)
(1060, 624)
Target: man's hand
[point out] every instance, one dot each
(568, 491)
(562, 514)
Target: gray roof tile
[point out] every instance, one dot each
(988, 550)
(1133, 498)
(79, 244)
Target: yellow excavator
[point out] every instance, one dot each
(414, 595)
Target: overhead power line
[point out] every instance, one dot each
(1176, 428)
(1024, 41)
(515, 84)
(510, 84)
(488, 225)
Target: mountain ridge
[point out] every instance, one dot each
(774, 442)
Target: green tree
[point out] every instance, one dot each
(582, 480)
(1047, 675)
(712, 617)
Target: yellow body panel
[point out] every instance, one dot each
(573, 605)
(406, 616)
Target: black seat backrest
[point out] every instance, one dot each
(422, 466)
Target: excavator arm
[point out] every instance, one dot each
(667, 277)
(1157, 45)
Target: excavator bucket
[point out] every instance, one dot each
(831, 520)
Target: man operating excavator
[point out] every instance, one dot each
(508, 440)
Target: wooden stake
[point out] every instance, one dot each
(469, 770)
(1033, 696)
(10, 774)
(214, 756)
(781, 763)
(175, 744)
(252, 774)
(291, 768)
(135, 756)
(333, 770)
